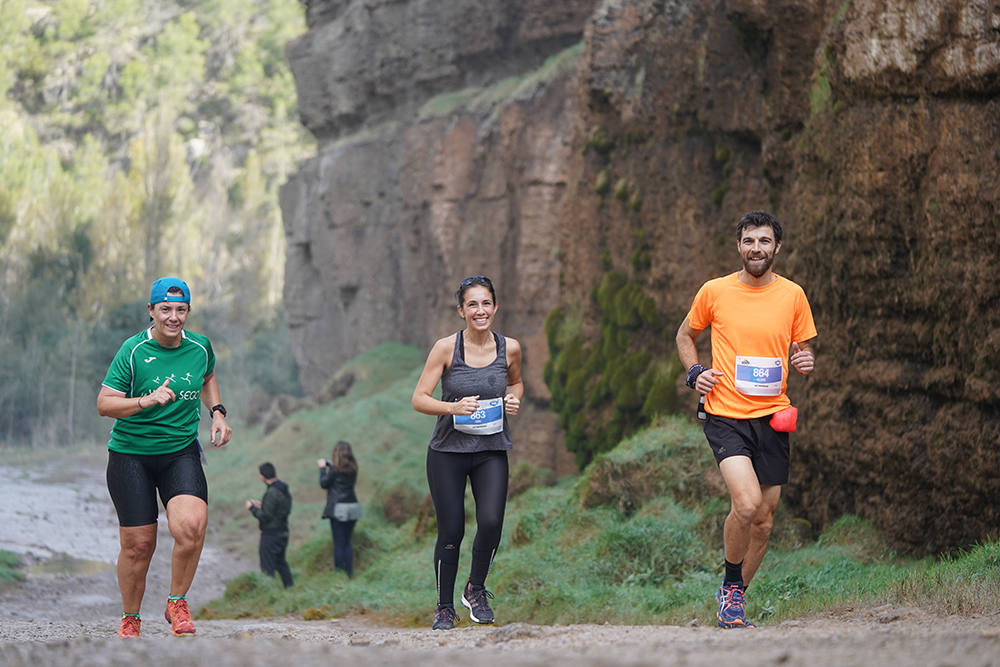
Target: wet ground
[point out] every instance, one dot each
(60, 519)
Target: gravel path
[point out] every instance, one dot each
(63, 525)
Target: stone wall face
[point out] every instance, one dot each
(870, 128)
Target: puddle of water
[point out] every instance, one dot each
(64, 564)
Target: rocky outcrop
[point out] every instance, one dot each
(368, 61)
(870, 128)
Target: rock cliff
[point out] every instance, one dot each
(444, 137)
(871, 129)
(449, 147)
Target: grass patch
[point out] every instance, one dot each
(489, 98)
(635, 539)
(968, 583)
(10, 569)
(375, 416)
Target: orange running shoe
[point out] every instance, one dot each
(179, 617)
(130, 626)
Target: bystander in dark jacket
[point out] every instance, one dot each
(272, 514)
(338, 477)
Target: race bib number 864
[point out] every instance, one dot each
(759, 376)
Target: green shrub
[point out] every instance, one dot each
(621, 189)
(603, 182)
(606, 388)
(647, 551)
(599, 141)
(10, 564)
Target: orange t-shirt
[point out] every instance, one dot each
(752, 330)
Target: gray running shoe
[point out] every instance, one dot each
(444, 618)
(475, 598)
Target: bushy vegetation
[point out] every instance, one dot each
(10, 565)
(141, 138)
(634, 539)
(606, 389)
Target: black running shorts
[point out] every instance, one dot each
(766, 448)
(133, 480)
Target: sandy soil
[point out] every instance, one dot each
(63, 524)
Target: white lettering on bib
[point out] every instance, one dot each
(759, 376)
(486, 420)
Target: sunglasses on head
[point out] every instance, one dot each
(472, 280)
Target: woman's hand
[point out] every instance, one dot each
(321, 463)
(161, 395)
(221, 431)
(466, 405)
(511, 404)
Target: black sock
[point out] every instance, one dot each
(734, 573)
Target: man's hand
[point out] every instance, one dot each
(707, 380)
(803, 360)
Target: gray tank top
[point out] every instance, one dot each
(461, 379)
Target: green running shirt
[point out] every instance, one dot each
(140, 366)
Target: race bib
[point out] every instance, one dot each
(487, 420)
(759, 376)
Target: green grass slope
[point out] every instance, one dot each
(635, 539)
(10, 569)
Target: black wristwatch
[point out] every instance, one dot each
(692, 376)
(220, 407)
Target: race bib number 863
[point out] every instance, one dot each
(487, 420)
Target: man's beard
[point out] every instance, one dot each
(761, 268)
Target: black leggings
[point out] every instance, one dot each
(133, 480)
(446, 474)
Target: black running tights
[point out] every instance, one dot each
(446, 475)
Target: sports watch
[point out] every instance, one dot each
(692, 376)
(218, 406)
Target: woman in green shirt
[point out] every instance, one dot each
(154, 389)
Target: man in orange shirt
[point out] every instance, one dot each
(756, 316)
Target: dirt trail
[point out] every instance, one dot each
(66, 612)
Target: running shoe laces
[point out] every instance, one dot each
(179, 617)
(732, 600)
(130, 625)
(444, 618)
(477, 600)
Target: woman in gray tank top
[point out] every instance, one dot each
(480, 375)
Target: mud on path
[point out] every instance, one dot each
(62, 523)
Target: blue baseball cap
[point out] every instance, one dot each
(158, 292)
